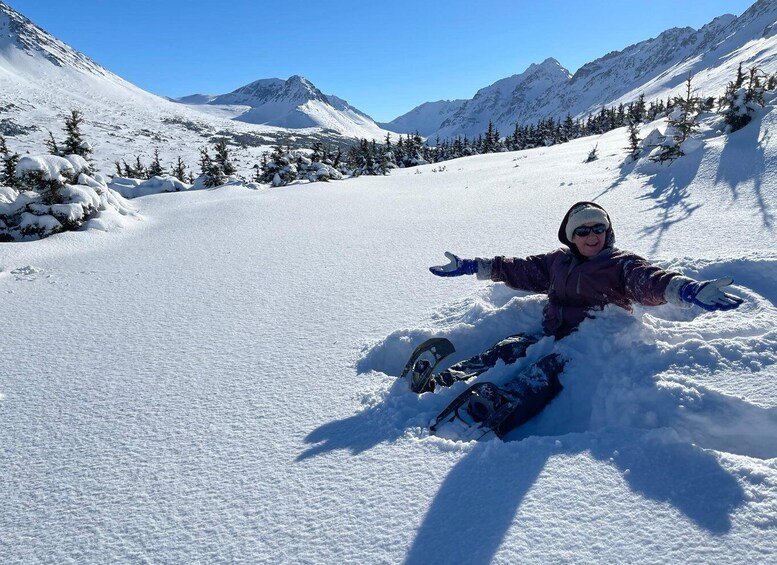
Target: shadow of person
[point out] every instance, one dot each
(476, 504)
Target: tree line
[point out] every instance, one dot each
(743, 95)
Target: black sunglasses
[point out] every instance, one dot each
(583, 231)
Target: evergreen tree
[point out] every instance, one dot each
(8, 170)
(634, 140)
(222, 158)
(210, 170)
(318, 154)
(51, 145)
(140, 171)
(491, 139)
(155, 169)
(179, 170)
(280, 168)
(637, 110)
(684, 119)
(74, 142)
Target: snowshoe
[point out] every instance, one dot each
(478, 411)
(485, 407)
(422, 363)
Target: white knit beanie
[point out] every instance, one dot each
(583, 215)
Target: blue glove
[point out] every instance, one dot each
(707, 294)
(456, 267)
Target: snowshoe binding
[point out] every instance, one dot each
(422, 363)
(479, 410)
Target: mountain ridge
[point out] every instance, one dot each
(655, 67)
(293, 103)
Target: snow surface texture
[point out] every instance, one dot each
(217, 383)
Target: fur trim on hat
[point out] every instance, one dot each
(585, 215)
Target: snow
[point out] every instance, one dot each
(52, 166)
(133, 188)
(217, 382)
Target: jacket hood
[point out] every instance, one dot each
(609, 240)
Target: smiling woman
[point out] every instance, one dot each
(579, 282)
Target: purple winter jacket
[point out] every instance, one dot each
(577, 285)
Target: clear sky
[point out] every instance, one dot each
(383, 57)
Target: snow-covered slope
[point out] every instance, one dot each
(217, 383)
(656, 68)
(426, 118)
(42, 79)
(294, 103)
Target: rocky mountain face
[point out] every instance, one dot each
(655, 67)
(18, 32)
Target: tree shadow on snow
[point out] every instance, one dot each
(742, 161)
(478, 501)
(670, 196)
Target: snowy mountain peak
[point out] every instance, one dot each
(293, 103)
(295, 90)
(655, 67)
(17, 33)
(549, 65)
(299, 89)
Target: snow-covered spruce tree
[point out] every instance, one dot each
(280, 168)
(136, 171)
(634, 140)
(740, 102)
(637, 111)
(51, 145)
(74, 141)
(491, 142)
(179, 170)
(593, 154)
(318, 167)
(222, 158)
(686, 123)
(55, 194)
(682, 122)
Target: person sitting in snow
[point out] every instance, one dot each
(580, 279)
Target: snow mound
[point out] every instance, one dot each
(133, 188)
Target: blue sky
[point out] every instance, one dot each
(384, 58)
